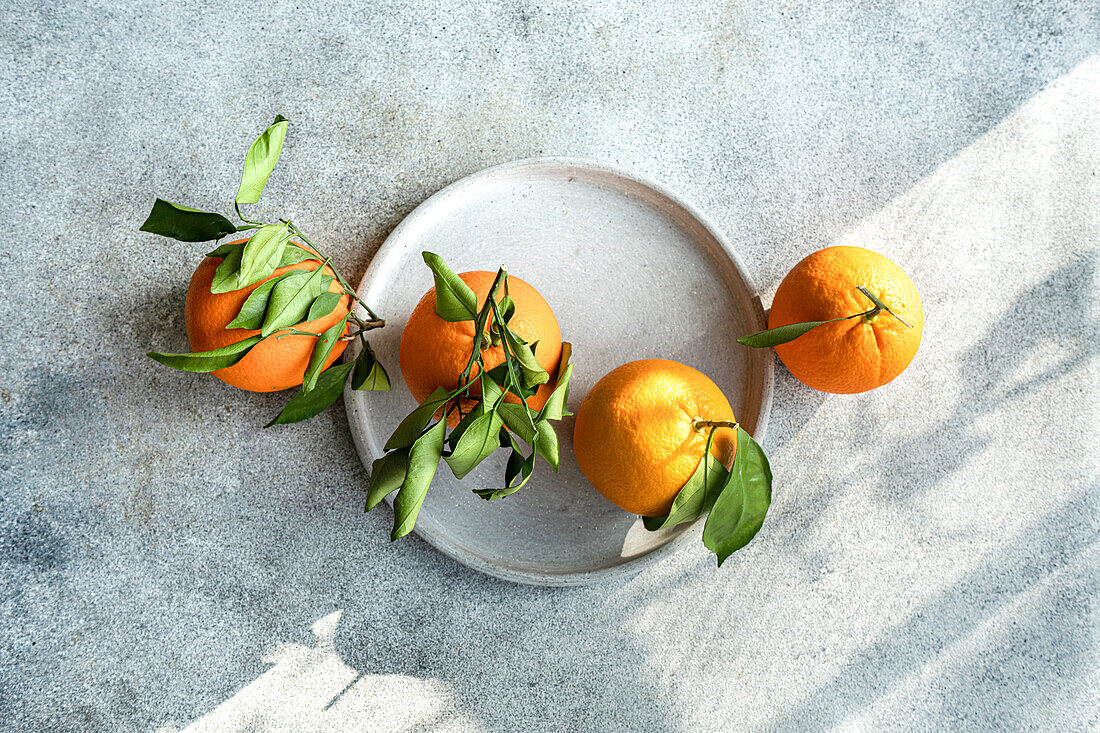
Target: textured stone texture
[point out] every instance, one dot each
(931, 559)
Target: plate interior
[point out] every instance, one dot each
(630, 273)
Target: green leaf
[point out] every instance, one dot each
(533, 373)
(423, 461)
(518, 419)
(477, 442)
(223, 249)
(696, 496)
(226, 275)
(260, 160)
(186, 224)
(463, 424)
(739, 511)
(507, 308)
(292, 297)
(386, 476)
(546, 443)
(491, 392)
(415, 421)
(511, 378)
(304, 405)
(517, 466)
(554, 409)
(296, 253)
(781, 334)
(369, 376)
(262, 253)
(208, 361)
(321, 351)
(251, 314)
(323, 304)
(454, 300)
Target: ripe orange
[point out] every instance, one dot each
(635, 437)
(434, 352)
(853, 355)
(272, 364)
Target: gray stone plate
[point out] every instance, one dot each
(632, 271)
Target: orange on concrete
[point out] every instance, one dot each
(635, 438)
(272, 364)
(853, 355)
(434, 352)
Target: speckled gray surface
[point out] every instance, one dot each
(931, 559)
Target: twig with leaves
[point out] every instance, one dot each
(278, 304)
(491, 405)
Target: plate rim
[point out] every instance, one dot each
(373, 272)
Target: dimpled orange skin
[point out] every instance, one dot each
(853, 355)
(434, 352)
(635, 440)
(271, 365)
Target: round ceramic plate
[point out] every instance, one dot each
(632, 271)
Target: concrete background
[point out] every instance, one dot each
(931, 558)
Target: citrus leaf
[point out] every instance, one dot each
(304, 405)
(454, 300)
(739, 511)
(692, 500)
(490, 391)
(533, 373)
(323, 304)
(464, 424)
(263, 253)
(226, 276)
(415, 421)
(423, 461)
(321, 351)
(186, 224)
(208, 361)
(251, 314)
(292, 297)
(546, 443)
(369, 376)
(386, 476)
(554, 409)
(507, 308)
(781, 334)
(517, 466)
(476, 443)
(260, 160)
(518, 419)
(223, 249)
(296, 253)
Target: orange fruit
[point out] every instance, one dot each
(635, 437)
(272, 364)
(853, 355)
(434, 352)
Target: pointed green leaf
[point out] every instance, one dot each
(260, 160)
(546, 443)
(323, 304)
(517, 467)
(554, 409)
(507, 308)
(780, 334)
(304, 405)
(386, 476)
(321, 351)
(223, 249)
(694, 499)
(292, 297)
(477, 442)
(369, 376)
(226, 276)
(454, 300)
(533, 373)
(262, 253)
(518, 419)
(490, 391)
(208, 361)
(251, 315)
(186, 224)
(423, 461)
(415, 421)
(295, 253)
(739, 511)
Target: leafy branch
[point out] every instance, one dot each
(278, 305)
(735, 501)
(783, 334)
(489, 421)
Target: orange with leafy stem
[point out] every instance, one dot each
(274, 363)
(641, 433)
(867, 346)
(434, 352)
